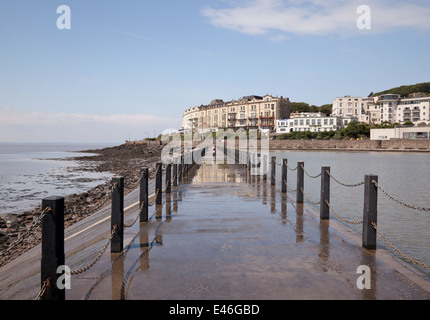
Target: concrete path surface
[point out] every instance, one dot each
(221, 235)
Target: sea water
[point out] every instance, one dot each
(31, 172)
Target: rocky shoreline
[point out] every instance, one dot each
(123, 160)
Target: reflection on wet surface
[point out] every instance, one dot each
(224, 234)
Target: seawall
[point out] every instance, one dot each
(403, 145)
(353, 145)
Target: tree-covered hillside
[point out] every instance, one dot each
(305, 107)
(404, 91)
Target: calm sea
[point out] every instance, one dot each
(31, 172)
(406, 176)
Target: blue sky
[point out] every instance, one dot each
(130, 68)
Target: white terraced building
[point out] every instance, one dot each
(365, 109)
(312, 122)
(394, 109)
(386, 108)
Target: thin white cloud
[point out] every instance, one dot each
(317, 17)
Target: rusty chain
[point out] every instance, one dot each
(45, 285)
(309, 175)
(165, 187)
(286, 184)
(316, 203)
(340, 217)
(399, 201)
(285, 162)
(92, 210)
(98, 256)
(276, 179)
(421, 264)
(135, 219)
(155, 198)
(24, 235)
(345, 184)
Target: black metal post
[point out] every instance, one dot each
(273, 172)
(300, 181)
(325, 193)
(175, 173)
(159, 183)
(370, 211)
(117, 214)
(168, 177)
(144, 194)
(284, 176)
(264, 167)
(52, 247)
(180, 168)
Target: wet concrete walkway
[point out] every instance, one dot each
(225, 235)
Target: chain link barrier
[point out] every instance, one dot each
(46, 284)
(288, 187)
(316, 203)
(394, 248)
(78, 271)
(276, 179)
(286, 164)
(345, 184)
(135, 219)
(421, 264)
(25, 234)
(92, 210)
(342, 218)
(308, 174)
(399, 201)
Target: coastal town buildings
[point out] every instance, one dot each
(249, 112)
(273, 114)
(312, 122)
(395, 109)
(365, 109)
(386, 108)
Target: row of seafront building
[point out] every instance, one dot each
(272, 114)
(386, 108)
(249, 112)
